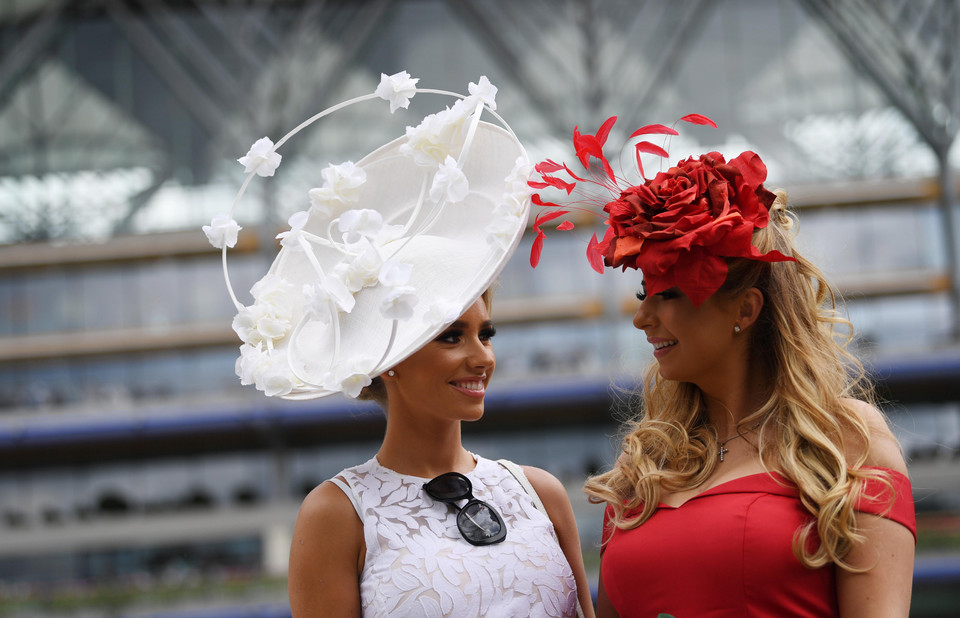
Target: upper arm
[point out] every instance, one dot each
(605, 608)
(326, 555)
(885, 589)
(888, 547)
(884, 450)
(557, 503)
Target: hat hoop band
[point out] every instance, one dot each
(357, 288)
(359, 99)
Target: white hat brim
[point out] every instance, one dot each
(453, 260)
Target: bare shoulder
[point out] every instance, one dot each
(553, 495)
(327, 508)
(324, 567)
(327, 504)
(548, 487)
(884, 448)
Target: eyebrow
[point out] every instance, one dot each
(462, 324)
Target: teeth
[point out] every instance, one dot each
(663, 344)
(471, 386)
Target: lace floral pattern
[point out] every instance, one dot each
(418, 565)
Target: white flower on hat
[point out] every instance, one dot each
(449, 182)
(510, 212)
(296, 221)
(517, 178)
(350, 377)
(268, 319)
(246, 365)
(393, 273)
(360, 223)
(398, 88)
(442, 311)
(341, 185)
(277, 380)
(261, 158)
(398, 303)
(485, 91)
(268, 371)
(274, 290)
(511, 204)
(245, 324)
(222, 231)
(272, 327)
(256, 324)
(502, 230)
(437, 136)
(330, 289)
(363, 269)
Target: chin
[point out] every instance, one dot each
(667, 374)
(472, 414)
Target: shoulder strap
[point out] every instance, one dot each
(518, 474)
(345, 488)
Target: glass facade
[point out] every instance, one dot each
(120, 125)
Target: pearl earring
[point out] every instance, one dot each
(391, 373)
(736, 328)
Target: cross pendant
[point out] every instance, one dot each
(723, 450)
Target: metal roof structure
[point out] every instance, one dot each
(177, 87)
(121, 121)
(120, 116)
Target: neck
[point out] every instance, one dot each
(733, 396)
(728, 404)
(423, 449)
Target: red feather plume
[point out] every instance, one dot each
(699, 119)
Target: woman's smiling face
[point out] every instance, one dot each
(691, 344)
(448, 377)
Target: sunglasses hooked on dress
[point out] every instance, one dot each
(478, 522)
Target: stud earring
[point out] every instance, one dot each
(391, 373)
(736, 328)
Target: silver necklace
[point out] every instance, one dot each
(722, 450)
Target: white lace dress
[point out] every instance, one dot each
(417, 564)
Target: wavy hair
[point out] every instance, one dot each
(802, 340)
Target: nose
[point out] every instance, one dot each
(644, 317)
(480, 355)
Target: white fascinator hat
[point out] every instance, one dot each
(392, 249)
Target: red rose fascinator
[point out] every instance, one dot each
(679, 227)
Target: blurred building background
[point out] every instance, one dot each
(137, 477)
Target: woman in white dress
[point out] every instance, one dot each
(373, 542)
(381, 291)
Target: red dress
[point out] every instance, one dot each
(728, 552)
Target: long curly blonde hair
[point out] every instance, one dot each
(802, 340)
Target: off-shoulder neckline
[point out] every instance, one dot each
(771, 482)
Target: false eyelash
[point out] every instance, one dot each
(448, 334)
(641, 296)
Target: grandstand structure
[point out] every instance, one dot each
(137, 475)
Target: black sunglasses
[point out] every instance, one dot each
(478, 522)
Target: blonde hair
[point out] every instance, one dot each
(800, 341)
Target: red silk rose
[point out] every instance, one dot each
(677, 228)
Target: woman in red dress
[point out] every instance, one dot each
(758, 478)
